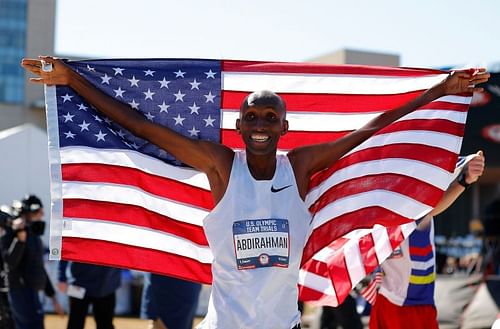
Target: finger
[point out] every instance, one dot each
(480, 153)
(37, 80)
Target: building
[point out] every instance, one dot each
(26, 30)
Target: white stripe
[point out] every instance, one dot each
(137, 236)
(423, 265)
(130, 195)
(395, 202)
(383, 246)
(422, 171)
(136, 160)
(440, 140)
(326, 83)
(354, 262)
(319, 121)
(408, 228)
(455, 99)
(311, 121)
(316, 282)
(56, 209)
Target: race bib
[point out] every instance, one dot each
(261, 243)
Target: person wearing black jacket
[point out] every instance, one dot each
(23, 256)
(89, 285)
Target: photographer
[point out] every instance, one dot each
(23, 255)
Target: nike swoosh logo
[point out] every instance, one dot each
(274, 190)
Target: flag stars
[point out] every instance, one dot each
(149, 116)
(194, 108)
(148, 72)
(148, 94)
(179, 74)
(118, 70)
(119, 92)
(164, 83)
(68, 117)
(120, 133)
(210, 74)
(69, 134)
(195, 85)
(179, 120)
(163, 107)
(97, 118)
(105, 79)
(84, 126)
(107, 120)
(193, 132)
(209, 97)
(82, 107)
(90, 68)
(134, 105)
(100, 136)
(209, 121)
(134, 82)
(67, 97)
(179, 96)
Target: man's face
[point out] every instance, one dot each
(261, 128)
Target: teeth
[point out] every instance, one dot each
(260, 138)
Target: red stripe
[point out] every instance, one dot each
(368, 254)
(428, 154)
(338, 227)
(340, 277)
(339, 103)
(405, 185)
(396, 236)
(133, 215)
(289, 141)
(157, 185)
(316, 68)
(445, 106)
(307, 294)
(133, 257)
(421, 251)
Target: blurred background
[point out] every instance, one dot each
(435, 34)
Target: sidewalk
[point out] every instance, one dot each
(59, 322)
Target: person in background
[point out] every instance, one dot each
(169, 302)
(406, 294)
(89, 285)
(23, 255)
(6, 320)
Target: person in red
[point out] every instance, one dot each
(252, 189)
(406, 295)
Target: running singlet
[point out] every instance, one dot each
(256, 233)
(409, 273)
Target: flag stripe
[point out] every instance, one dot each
(316, 68)
(133, 215)
(134, 235)
(160, 186)
(133, 196)
(134, 257)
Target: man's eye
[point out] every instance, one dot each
(249, 116)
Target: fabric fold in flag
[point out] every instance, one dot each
(121, 201)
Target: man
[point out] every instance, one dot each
(89, 285)
(406, 293)
(24, 251)
(254, 191)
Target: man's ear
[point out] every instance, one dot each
(238, 125)
(285, 127)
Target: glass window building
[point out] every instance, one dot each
(13, 24)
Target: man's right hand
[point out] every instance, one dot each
(62, 287)
(59, 75)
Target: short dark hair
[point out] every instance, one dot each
(263, 98)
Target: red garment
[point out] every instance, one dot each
(386, 315)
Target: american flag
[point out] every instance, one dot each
(118, 200)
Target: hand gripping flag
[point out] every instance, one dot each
(118, 200)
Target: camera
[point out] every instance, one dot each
(6, 216)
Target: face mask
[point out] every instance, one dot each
(38, 227)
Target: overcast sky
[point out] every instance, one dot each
(426, 33)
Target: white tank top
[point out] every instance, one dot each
(257, 233)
